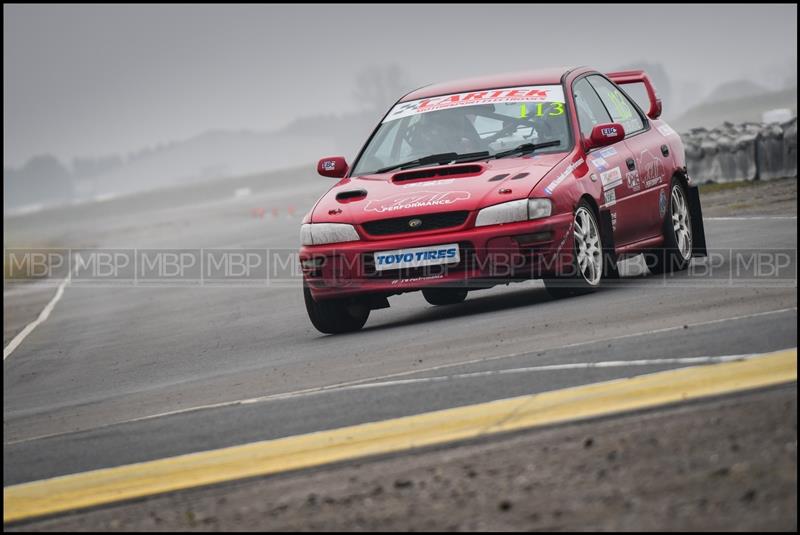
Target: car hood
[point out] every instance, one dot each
(463, 186)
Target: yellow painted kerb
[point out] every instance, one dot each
(109, 485)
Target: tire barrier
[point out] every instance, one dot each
(749, 151)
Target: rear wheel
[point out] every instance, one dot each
(335, 316)
(587, 259)
(677, 250)
(444, 296)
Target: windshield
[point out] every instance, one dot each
(494, 121)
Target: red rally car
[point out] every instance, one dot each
(554, 174)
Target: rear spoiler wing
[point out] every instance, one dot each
(639, 77)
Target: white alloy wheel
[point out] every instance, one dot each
(681, 224)
(588, 247)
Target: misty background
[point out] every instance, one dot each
(103, 101)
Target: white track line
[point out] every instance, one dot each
(43, 315)
(339, 386)
(364, 386)
(555, 367)
(752, 218)
(372, 382)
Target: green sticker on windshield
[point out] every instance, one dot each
(623, 110)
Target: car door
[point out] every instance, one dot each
(607, 164)
(644, 172)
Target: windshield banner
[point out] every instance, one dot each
(536, 93)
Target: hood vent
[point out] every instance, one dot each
(521, 175)
(352, 195)
(498, 177)
(456, 171)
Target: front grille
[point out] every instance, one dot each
(468, 261)
(398, 225)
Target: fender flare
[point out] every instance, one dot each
(699, 248)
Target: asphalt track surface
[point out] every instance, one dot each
(124, 374)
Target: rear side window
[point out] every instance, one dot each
(620, 107)
(591, 111)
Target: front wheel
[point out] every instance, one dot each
(335, 316)
(588, 262)
(677, 250)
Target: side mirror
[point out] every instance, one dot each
(605, 134)
(334, 167)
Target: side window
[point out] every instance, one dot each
(591, 111)
(619, 106)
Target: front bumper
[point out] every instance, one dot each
(489, 255)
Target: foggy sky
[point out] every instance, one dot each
(94, 80)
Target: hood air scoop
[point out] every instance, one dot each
(455, 171)
(352, 195)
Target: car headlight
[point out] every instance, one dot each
(538, 208)
(509, 212)
(322, 233)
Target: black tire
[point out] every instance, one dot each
(335, 316)
(444, 296)
(675, 255)
(575, 282)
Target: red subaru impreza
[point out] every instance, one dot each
(555, 174)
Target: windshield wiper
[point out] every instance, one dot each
(447, 157)
(443, 158)
(526, 147)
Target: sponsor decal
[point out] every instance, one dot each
(614, 220)
(611, 197)
(662, 202)
(611, 179)
(600, 163)
(607, 152)
(416, 279)
(567, 234)
(539, 93)
(652, 169)
(620, 104)
(329, 165)
(666, 130)
(399, 258)
(632, 177)
(417, 257)
(417, 199)
(551, 187)
(609, 131)
(429, 183)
